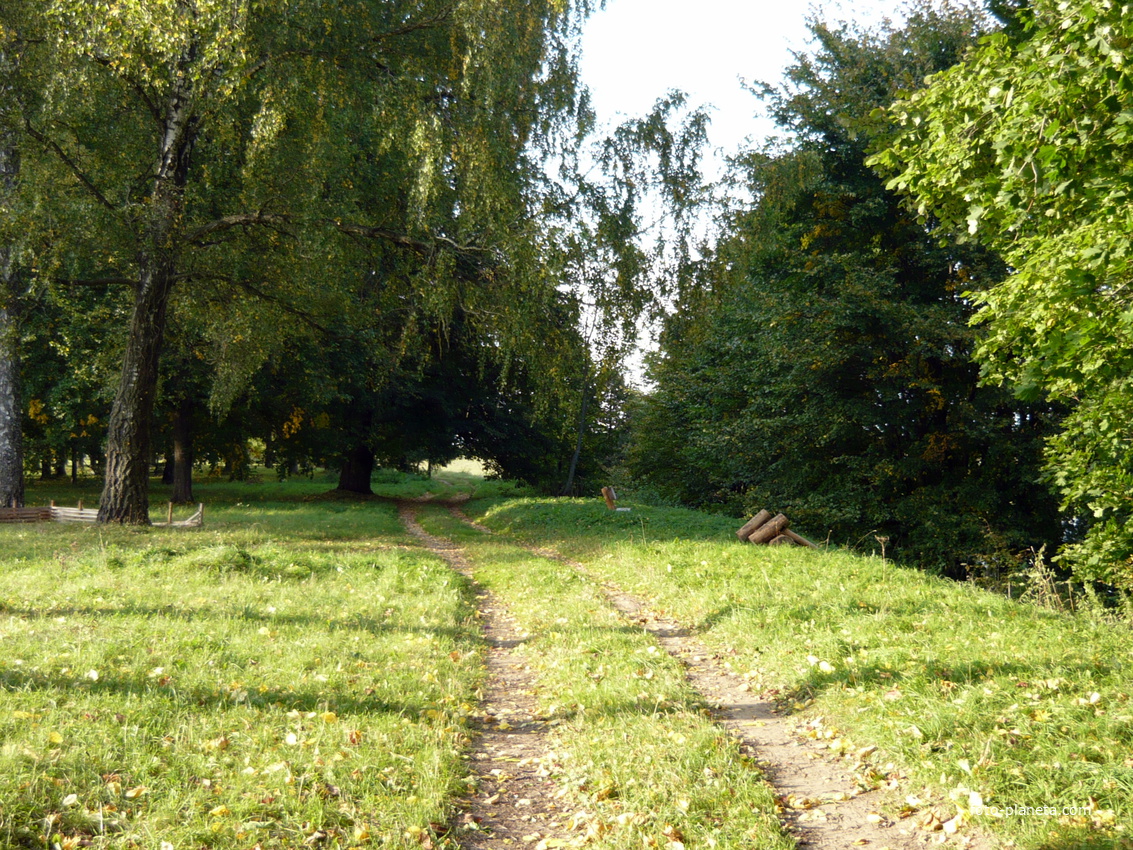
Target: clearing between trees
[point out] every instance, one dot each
(314, 673)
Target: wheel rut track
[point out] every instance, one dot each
(833, 812)
(514, 804)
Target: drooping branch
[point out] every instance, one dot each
(150, 104)
(71, 165)
(419, 246)
(96, 281)
(439, 19)
(251, 289)
(274, 221)
(474, 262)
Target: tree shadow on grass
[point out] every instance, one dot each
(353, 623)
(141, 693)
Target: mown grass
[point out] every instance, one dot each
(965, 692)
(290, 675)
(643, 763)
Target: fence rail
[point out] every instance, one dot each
(53, 513)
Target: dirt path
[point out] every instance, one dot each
(824, 805)
(514, 803)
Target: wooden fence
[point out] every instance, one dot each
(53, 513)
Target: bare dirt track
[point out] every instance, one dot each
(514, 803)
(825, 805)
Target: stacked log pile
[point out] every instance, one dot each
(765, 529)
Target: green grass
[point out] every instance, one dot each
(299, 670)
(291, 673)
(963, 691)
(635, 748)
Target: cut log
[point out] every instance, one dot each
(781, 540)
(770, 529)
(798, 538)
(752, 524)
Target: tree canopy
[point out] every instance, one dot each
(306, 156)
(823, 366)
(1025, 147)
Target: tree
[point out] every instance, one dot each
(619, 239)
(11, 432)
(11, 413)
(1025, 147)
(260, 129)
(824, 366)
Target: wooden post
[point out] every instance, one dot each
(752, 524)
(170, 514)
(770, 529)
(201, 512)
(80, 504)
(610, 497)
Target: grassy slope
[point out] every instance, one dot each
(963, 691)
(298, 667)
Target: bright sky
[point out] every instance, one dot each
(634, 51)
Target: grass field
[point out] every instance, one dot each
(972, 699)
(299, 673)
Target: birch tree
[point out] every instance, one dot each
(186, 144)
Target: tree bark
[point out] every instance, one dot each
(183, 454)
(11, 409)
(357, 470)
(770, 529)
(125, 493)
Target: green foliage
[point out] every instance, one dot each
(1025, 147)
(825, 368)
(270, 171)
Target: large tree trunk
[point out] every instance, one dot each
(11, 410)
(125, 493)
(357, 470)
(183, 454)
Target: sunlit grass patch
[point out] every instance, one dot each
(972, 699)
(225, 695)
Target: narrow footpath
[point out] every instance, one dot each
(514, 802)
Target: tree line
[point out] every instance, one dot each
(356, 234)
(917, 333)
(389, 233)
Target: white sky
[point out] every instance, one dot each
(634, 51)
